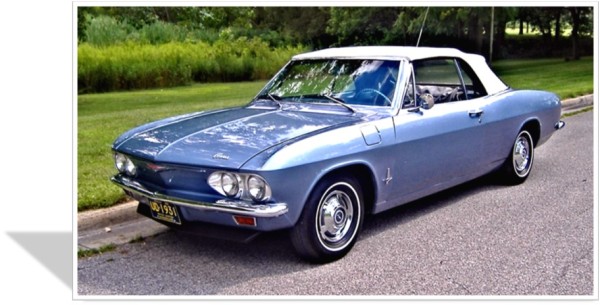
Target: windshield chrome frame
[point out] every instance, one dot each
(405, 73)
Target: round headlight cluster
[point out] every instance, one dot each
(125, 165)
(242, 186)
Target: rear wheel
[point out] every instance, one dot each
(331, 220)
(518, 165)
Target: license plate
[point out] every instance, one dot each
(165, 212)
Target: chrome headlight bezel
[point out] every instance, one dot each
(240, 186)
(125, 165)
(258, 189)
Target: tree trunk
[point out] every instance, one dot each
(460, 34)
(476, 33)
(557, 26)
(576, 20)
(546, 29)
(500, 38)
(501, 30)
(167, 14)
(520, 27)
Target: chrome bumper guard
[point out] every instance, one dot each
(228, 206)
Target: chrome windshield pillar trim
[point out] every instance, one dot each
(559, 125)
(237, 207)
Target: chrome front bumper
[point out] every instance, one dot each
(236, 207)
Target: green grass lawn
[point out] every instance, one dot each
(565, 78)
(103, 117)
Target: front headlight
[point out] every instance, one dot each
(230, 184)
(130, 168)
(120, 161)
(258, 189)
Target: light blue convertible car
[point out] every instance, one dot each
(337, 134)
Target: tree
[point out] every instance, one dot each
(361, 25)
(307, 25)
(558, 15)
(503, 16)
(466, 28)
(581, 19)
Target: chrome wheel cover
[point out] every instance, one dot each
(522, 154)
(336, 219)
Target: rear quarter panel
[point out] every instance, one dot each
(507, 112)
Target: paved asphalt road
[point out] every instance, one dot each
(480, 238)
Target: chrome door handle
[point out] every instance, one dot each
(475, 113)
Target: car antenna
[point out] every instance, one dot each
(422, 25)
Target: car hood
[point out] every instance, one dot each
(226, 138)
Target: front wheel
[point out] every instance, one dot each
(518, 165)
(331, 220)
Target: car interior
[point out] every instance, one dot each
(446, 80)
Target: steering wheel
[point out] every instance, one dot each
(388, 102)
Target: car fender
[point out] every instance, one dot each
(298, 167)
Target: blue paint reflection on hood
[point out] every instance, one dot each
(226, 138)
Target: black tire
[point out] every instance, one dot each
(331, 220)
(519, 163)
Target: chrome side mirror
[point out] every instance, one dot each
(427, 101)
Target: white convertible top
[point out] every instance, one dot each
(490, 81)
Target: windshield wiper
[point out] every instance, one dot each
(338, 101)
(274, 98)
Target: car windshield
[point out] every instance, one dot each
(341, 81)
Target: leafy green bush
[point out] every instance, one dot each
(138, 66)
(105, 31)
(161, 32)
(204, 35)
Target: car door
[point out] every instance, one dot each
(442, 146)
